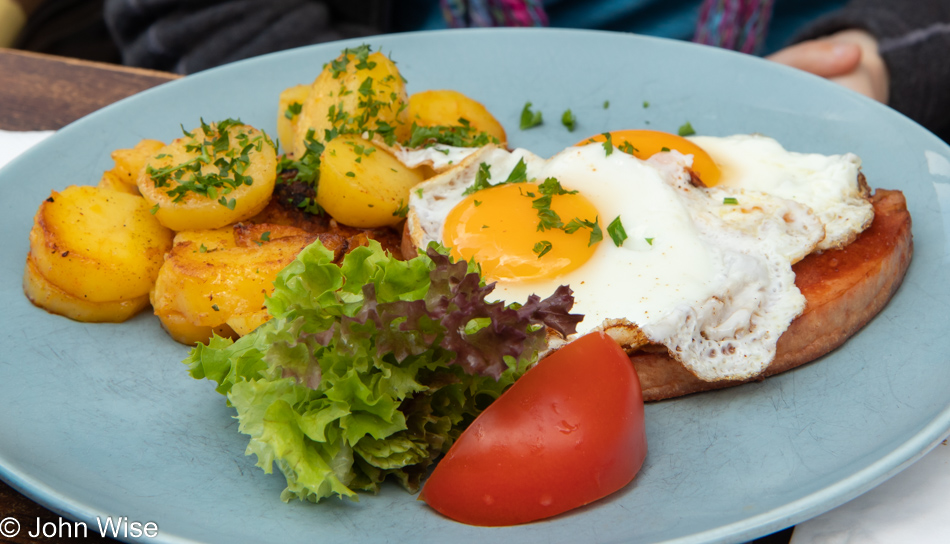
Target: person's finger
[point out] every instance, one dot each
(825, 58)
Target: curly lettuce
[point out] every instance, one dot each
(372, 368)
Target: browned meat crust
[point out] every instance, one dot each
(283, 209)
(844, 289)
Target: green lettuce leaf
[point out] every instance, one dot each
(370, 369)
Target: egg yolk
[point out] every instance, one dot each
(498, 228)
(646, 143)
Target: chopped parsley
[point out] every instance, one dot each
(461, 135)
(519, 174)
(542, 247)
(608, 143)
(649, 240)
(730, 200)
(529, 119)
(686, 129)
(218, 165)
(293, 110)
(616, 232)
(596, 234)
(646, 104)
(627, 148)
(569, 120)
(606, 104)
(402, 210)
(481, 179)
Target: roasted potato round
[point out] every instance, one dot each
(289, 105)
(112, 182)
(51, 298)
(130, 162)
(217, 175)
(209, 281)
(355, 93)
(97, 244)
(445, 108)
(362, 185)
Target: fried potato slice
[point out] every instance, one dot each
(221, 174)
(182, 330)
(212, 279)
(112, 182)
(289, 105)
(445, 108)
(355, 93)
(129, 163)
(362, 185)
(51, 298)
(98, 245)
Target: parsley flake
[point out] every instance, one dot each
(569, 120)
(402, 210)
(293, 110)
(616, 232)
(542, 247)
(730, 200)
(529, 119)
(608, 143)
(481, 179)
(686, 129)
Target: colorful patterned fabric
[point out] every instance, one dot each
(740, 25)
(466, 13)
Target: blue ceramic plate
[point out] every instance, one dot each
(104, 420)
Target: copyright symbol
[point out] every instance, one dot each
(9, 527)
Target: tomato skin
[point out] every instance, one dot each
(568, 432)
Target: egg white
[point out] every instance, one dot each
(828, 184)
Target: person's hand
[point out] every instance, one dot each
(849, 58)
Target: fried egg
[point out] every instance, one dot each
(705, 272)
(830, 185)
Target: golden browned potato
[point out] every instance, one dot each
(354, 94)
(130, 162)
(433, 108)
(361, 185)
(220, 174)
(289, 106)
(112, 182)
(97, 244)
(51, 298)
(209, 282)
(182, 330)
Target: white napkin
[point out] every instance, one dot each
(14, 143)
(913, 506)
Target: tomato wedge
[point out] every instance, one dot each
(568, 432)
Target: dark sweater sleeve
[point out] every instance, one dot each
(914, 41)
(186, 36)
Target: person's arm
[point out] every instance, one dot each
(892, 50)
(187, 36)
